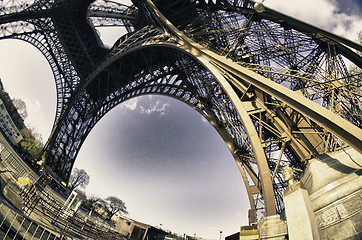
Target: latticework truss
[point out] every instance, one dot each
(230, 63)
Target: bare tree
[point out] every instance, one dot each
(20, 107)
(78, 178)
(115, 205)
(91, 201)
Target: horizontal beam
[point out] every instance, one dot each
(341, 127)
(334, 123)
(111, 15)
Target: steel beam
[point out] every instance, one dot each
(348, 132)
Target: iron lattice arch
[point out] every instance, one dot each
(211, 55)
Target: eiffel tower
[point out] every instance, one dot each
(278, 91)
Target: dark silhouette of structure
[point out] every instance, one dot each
(276, 89)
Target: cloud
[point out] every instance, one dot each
(37, 119)
(38, 106)
(157, 107)
(130, 104)
(325, 14)
(145, 105)
(350, 7)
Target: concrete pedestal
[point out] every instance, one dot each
(334, 184)
(272, 228)
(301, 221)
(11, 193)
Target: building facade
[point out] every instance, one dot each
(135, 230)
(7, 125)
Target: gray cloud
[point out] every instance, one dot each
(331, 15)
(156, 107)
(146, 105)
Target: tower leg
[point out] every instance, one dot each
(301, 220)
(272, 227)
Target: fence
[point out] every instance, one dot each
(45, 207)
(14, 225)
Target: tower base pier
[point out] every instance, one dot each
(272, 227)
(334, 184)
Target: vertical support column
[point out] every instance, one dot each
(301, 221)
(272, 227)
(258, 151)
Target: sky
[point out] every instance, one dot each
(155, 153)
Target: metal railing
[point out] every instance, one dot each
(42, 216)
(15, 225)
(12, 162)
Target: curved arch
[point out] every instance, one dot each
(48, 43)
(245, 89)
(331, 121)
(292, 53)
(211, 57)
(267, 187)
(194, 49)
(103, 108)
(153, 44)
(61, 71)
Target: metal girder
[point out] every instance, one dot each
(86, 109)
(331, 121)
(350, 133)
(43, 25)
(255, 77)
(108, 13)
(258, 151)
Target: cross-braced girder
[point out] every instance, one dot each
(64, 37)
(249, 38)
(289, 55)
(108, 13)
(215, 56)
(165, 77)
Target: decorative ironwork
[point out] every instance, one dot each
(234, 65)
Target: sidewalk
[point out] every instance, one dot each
(38, 216)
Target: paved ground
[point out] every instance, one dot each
(11, 168)
(9, 196)
(36, 216)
